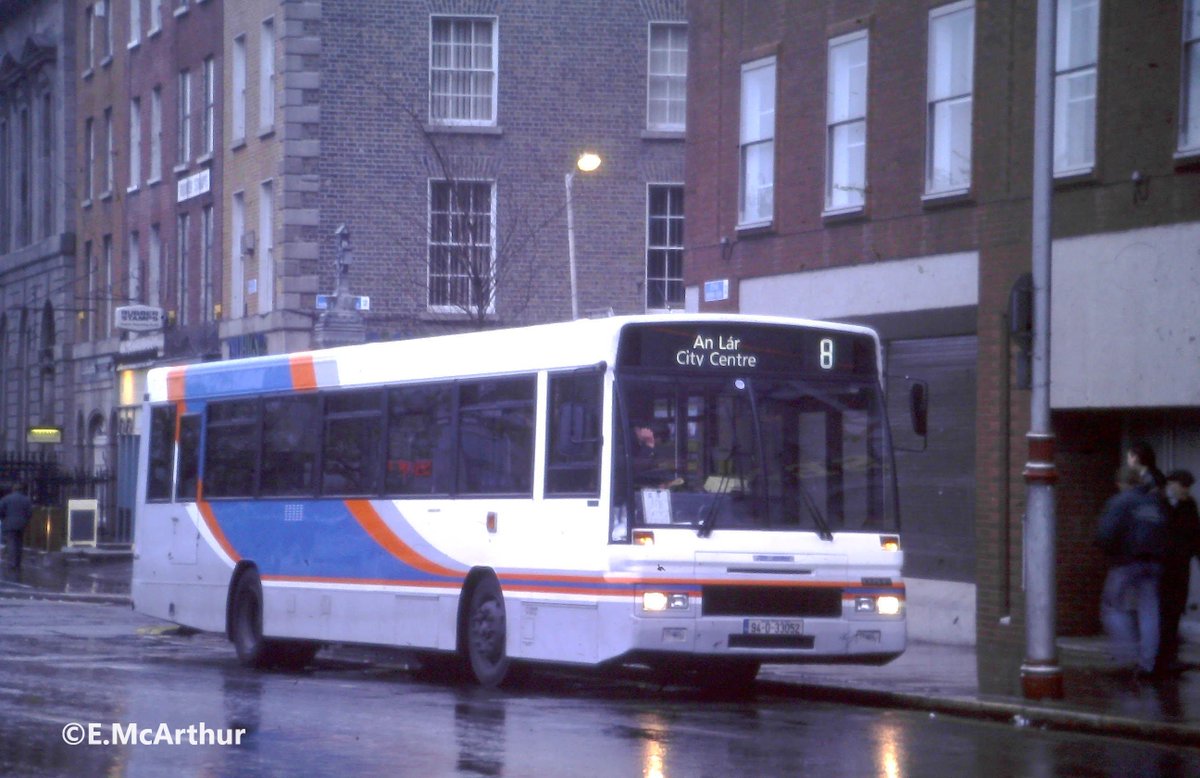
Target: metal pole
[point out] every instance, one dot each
(1041, 675)
(571, 247)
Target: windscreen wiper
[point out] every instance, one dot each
(710, 519)
(823, 530)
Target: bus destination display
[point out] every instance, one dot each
(745, 347)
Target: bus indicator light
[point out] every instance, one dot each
(889, 542)
(643, 537)
(491, 522)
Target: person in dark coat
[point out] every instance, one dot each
(1142, 459)
(16, 509)
(1183, 543)
(1133, 533)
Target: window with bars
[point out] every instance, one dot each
(949, 98)
(461, 245)
(664, 246)
(1075, 86)
(846, 123)
(666, 83)
(462, 70)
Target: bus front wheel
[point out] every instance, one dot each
(487, 633)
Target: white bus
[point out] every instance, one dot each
(702, 492)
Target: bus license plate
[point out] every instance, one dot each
(772, 627)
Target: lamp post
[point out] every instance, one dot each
(587, 162)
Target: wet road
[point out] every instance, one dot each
(102, 665)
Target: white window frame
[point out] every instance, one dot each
(135, 143)
(668, 246)
(266, 247)
(1189, 81)
(106, 303)
(456, 308)
(110, 154)
(89, 39)
(237, 232)
(106, 55)
(183, 149)
(182, 226)
(91, 282)
(666, 78)
(156, 17)
(207, 311)
(208, 133)
(133, 264)
(135, 23)
(266, 76)
(238, 111)
(489, 121)
(89, 167)
(154, 267)
(842, 193)
(761, 141)
(156, 133)
(935, 185)
(1067, 72)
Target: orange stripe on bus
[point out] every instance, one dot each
(215, 529)
(374, 525)
(304, 372)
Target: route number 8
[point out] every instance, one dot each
(826, 353)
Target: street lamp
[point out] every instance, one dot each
(587, 162)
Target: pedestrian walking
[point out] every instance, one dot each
(1141, 458)
(1183, 543)
(16, 509)
(1132, 532)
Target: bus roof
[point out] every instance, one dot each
(512, 350)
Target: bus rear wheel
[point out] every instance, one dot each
(487, 633)
(245, 631)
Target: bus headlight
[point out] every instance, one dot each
(660, 601)
(888, 605)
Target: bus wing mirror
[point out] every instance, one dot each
(918, 406)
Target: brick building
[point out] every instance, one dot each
(218, 146)
(149, 172)
(857, 161)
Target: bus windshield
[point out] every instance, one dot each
(736, 452)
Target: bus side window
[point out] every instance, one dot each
(573, 448)
(162, 453)
(353, 432)
(495, 438)
(419, 440)
(231, 450)
(189, 457)
(291, 434)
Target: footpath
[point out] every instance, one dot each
(1098, 697)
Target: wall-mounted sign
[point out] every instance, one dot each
(715, 291)
(327, 301)
(193, 185)
(138, 318)
(43, 435)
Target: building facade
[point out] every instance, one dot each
(219, 146)
(37, 224)
(856, 161)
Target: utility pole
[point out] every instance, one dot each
(1041, 675)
